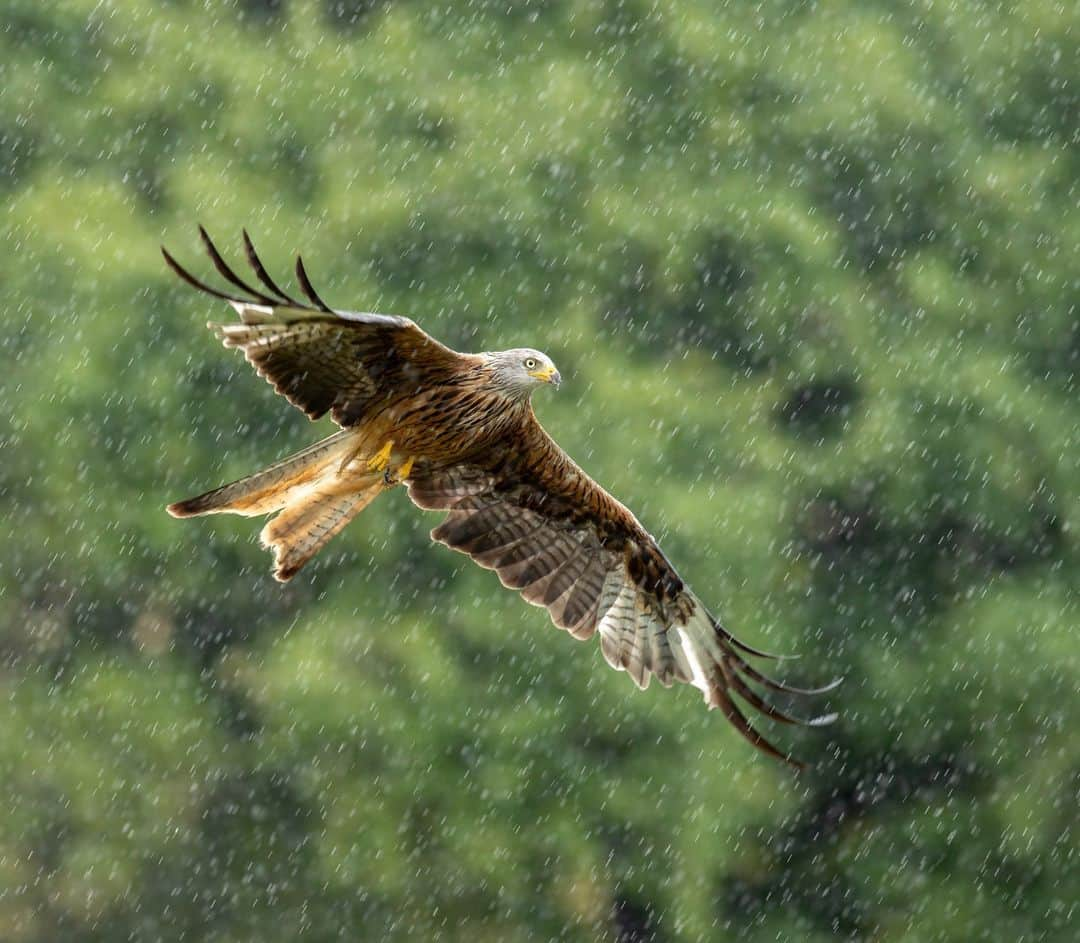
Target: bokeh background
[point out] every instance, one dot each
(810, 272)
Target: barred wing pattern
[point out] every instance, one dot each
(597, 573)
(321, 360)
(516, 502)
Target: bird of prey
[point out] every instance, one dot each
(458, 431)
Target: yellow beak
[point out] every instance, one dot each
(547, 375)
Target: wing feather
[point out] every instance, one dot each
(549, 586)
(323, 361)
(264, 276)
(306, 287)
(576, 609)
(518, 505)
(553, 535)
(229, 275)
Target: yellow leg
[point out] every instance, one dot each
(381, 459)
(406, 467)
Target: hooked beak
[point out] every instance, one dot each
(547, 375)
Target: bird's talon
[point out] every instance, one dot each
(401, 474)
(381, 460)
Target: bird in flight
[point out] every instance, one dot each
(459, 432)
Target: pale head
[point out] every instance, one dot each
(520, 371)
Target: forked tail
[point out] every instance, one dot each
(314, 500)
(308, 524)
(272, 488)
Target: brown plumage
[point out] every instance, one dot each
(459, 431)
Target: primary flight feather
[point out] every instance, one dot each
(458, 430)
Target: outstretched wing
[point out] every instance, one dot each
(527, 511)
(321, 360)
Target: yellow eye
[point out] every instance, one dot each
(530, 364)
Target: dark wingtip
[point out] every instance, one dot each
(305, 284)
(186, 276)
(752, 673)
(759, 703)
(824, 720)
(173, 264)
(812, 692)
(262, 275)
(755, 737)
(743, 647)
(831, 686)
(229, 275)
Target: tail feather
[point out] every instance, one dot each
(306, 526)
(272, 488)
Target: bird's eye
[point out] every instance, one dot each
(530, 364)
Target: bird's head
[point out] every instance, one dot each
(520, 371)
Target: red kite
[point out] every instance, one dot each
(458, 430)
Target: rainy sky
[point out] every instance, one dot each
(808, 273)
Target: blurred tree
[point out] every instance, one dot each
(810, 272)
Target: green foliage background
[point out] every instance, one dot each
(810, 271)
